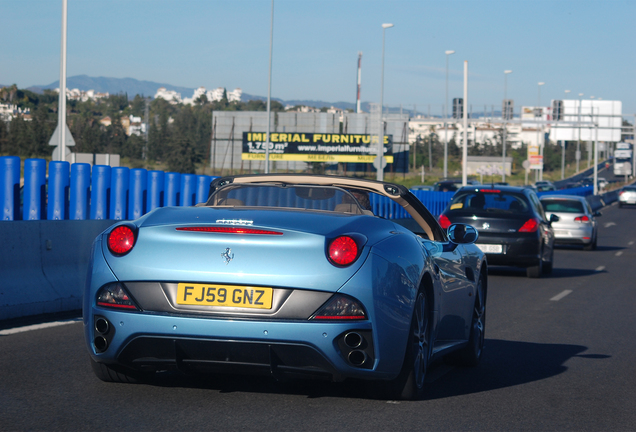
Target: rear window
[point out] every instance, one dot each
(629, 189)
(563, 206)
(489, 201)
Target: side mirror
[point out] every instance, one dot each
(554, 218)
(462, 234)
(597, 213)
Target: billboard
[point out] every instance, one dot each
(315, 147)
(607, 115)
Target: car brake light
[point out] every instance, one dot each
(531, 225)
(444, 221)
(489, 190)
(115, 296)
(621, 193)
(582, 219)
(230, 230)
(340, 307)
(121, 240)
(343, 251)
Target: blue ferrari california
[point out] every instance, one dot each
(290, 276)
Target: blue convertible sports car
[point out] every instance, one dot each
(291, 276)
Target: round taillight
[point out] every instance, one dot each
(121, 240)
(444, 221)
(343, 250)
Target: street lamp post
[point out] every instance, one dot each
(269, 90)
(505, 117)
(539, 130)
(449, 52)
(380, 157)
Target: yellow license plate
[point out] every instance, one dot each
(224, 295)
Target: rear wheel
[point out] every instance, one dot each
(547, 266)
(409, 384)
(591, 246)
(470, 355)
(535, 271)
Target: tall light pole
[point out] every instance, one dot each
(269, 90)
(539, 128)
(505, 127)
(449, 52)
(380, 157)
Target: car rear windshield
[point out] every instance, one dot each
(489, 201)
(563, 206)
(324, 198)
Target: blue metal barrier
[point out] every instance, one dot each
(119, 181)
(100, 192)
(203, 188)
(80, 191)
(137, 193)
(187, 190)
(171, 189)
(59, 180)
(34, 191)
(155, 197)
(10, 187)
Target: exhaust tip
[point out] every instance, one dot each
(101, 325)
(357, 357)
(100, 343)
(353, 340)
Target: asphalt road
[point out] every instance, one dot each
(560, 356)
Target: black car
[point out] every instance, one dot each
(513, 228)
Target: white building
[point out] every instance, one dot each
(215, 95)
(234, 95)
(81, 95)
(169, 95)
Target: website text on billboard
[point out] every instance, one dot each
(315, 147)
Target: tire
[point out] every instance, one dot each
(470, 355)
(535, 271)
(409, 384)
(591, 246)
(547, 266)
(115, 374)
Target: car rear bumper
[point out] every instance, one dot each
(516, 251)
(583, 235)
(150, 342)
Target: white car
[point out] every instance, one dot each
(577, 222)
(627, 195)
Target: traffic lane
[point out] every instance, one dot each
(590, 328)
(545, 367)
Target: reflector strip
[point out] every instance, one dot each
(230, 230)
(117, 306)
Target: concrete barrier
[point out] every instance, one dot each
(43, 265)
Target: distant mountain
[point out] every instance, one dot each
(134, 87)
(130, 86)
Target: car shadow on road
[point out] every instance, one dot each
(508, 364)
(555, 274)
(505, 364)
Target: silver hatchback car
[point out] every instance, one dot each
(627, 195)
(577, 222)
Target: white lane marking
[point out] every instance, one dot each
(600, 268)
(438, 372)
(36, 327)
(630, 243)
(619, 253)
(561, 295)
(609, 224)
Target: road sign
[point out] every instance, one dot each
(379, 160)
(55, 139)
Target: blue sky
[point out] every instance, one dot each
(584, 46)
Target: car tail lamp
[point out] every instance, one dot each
(444, 221)
(343, 251)
(121, 240)
(582, 219)
(621, 193)
(340, 307)
(230, 230)
(531, 225)
(115, 296)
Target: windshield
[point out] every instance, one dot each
(321, 198)
(563, 206)
(489, 201)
